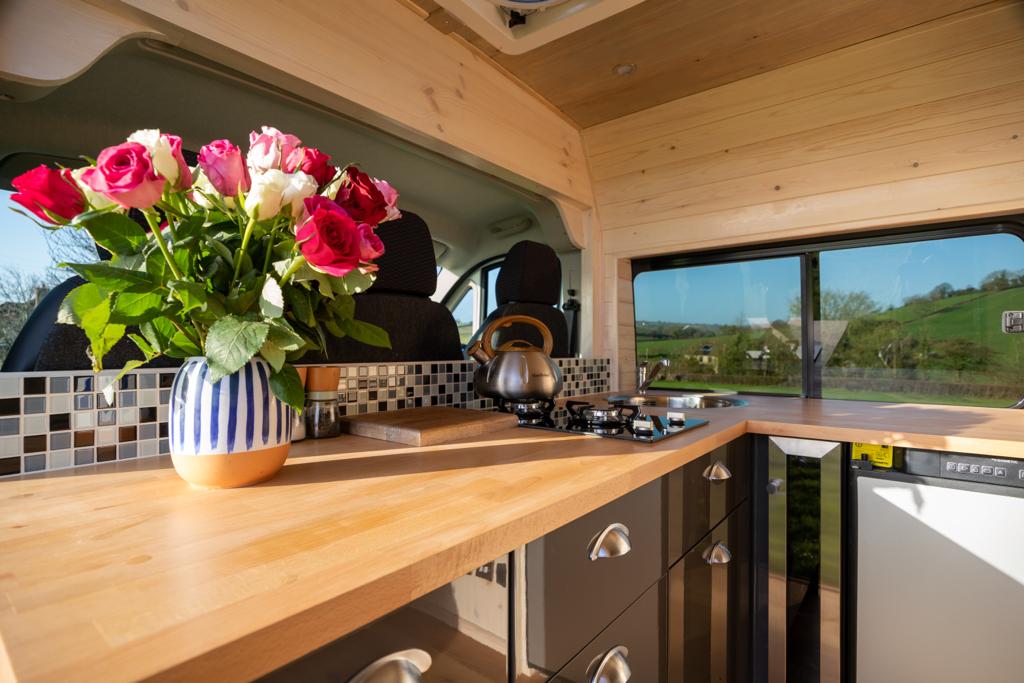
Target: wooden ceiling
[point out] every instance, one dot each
(681, 47)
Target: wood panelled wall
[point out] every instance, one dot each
(922, 125)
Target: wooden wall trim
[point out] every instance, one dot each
(923, 125)
(375, 61)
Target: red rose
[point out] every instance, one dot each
(313, 162)
(371, 246)
(50, 189)
(125, 174)
(329, 239)
(361, 198)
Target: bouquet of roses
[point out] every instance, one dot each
(243, 255)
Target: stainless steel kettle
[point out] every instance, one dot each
(518, 370)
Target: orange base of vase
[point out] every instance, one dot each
(230, 470)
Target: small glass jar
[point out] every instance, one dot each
(322, 414)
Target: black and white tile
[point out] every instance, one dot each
(55, 420)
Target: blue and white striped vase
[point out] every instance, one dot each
(233, 432)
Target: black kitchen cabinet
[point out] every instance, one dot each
(632, 648)
(710, 606)
(578, 578)
(702, 492)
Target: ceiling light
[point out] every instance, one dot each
(623, 69)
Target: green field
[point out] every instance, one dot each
(929, 328)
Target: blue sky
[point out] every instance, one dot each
(24, 243)
(731, 293)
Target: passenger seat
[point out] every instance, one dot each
(530, 283)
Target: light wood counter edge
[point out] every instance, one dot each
(242, 652)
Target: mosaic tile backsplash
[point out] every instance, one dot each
(54, 420)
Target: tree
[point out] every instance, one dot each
(836, 305)
(961, 355)
(942, 291)
(19, 294)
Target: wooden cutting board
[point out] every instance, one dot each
(426, 426)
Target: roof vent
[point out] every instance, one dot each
(518, 26)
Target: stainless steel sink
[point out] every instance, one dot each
(679, 401)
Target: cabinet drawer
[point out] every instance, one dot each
(704, 491)
(710, 606)
(574, 584)
(459, 630)
(634, 641)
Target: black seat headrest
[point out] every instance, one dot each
(407, 265)
(531, 273)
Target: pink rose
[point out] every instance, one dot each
(370, 247)
(313, 162)
(390, 198)
(184, 173)
(329, 239)
(125, 174)
(50, 189)
(361, 198)
(270, 148)
(222, 163)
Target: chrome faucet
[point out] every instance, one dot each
(643, 379)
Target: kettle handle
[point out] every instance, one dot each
(507, 321)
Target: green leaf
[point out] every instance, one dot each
(147, 349)
(78, 302)
(355, 282)
(285, 337)
(191, 294)
(168, 340)
(132, 308)
(231, 342)
(113, 278)
(287, 386)
(298, 301)
(240, 303)
(271, 299)
(367, 333)
(94, 319)
(306, 274)
(343, 307)
(114, 231)
(219, 248)
(273, 354)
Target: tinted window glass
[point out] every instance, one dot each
(492, 289)
(463, 314)
(724, 326)
(921, 321)
(28, 265)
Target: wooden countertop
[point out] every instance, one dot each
(120, 571)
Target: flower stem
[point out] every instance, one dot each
(296, 264)
(158, 235)
(245, 243)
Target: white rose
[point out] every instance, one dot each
(159, 148)
(266, 194)
(95, 199)
(300, 186)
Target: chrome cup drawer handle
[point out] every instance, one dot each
(717, 554)
(717, 471)
(405, 666)
(612, 542)
(613, 668)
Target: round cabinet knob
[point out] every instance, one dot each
(717, 471)
(612, 542)
(405, 666)
(613, 667)
(717, 554)
(774, 486)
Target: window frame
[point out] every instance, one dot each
(482, 267)
(808, 252)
